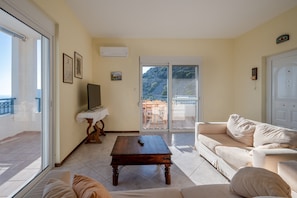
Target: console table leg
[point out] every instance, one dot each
(115, 176)
(167, 174)
(100, 130)
(92, 137)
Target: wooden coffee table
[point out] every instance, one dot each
(129, 150)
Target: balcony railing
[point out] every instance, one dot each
(38, 104)
(7, 106)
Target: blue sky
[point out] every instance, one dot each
(5, 64)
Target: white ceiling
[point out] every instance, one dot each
(175, 18)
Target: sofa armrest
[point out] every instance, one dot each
(209, 127)
(269, 158)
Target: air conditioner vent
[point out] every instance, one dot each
(114, 51)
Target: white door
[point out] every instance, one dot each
(282, 72)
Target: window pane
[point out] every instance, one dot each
(5, 63)
(24, 132)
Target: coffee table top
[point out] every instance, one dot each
(128, 145)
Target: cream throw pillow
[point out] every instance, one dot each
(268, 134)
(252, 182)
(86, 187)
(241, 129)
(56, 188)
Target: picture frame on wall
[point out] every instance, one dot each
(78, 65)
(116, 75)
(67, 69)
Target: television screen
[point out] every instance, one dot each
(94, 96)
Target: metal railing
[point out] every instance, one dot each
(7, 106)
(38, 104)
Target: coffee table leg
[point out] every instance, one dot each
(115, 176)
(167, 174)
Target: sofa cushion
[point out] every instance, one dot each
(209, 191)
(86, 187)
(213, 140)
(252, 182)
(267, 134)
(241, 129)
(236, 157)
(288, 171)
(58, 188)
(155, 192)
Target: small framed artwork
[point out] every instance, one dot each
(254, 73)
(117, 75)
(67, 69)
(78, 65)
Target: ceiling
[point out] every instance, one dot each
(175, 18)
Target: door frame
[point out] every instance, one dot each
(269, 87)
(170, 61)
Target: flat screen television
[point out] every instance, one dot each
(94, 96)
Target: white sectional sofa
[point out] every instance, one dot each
(247, 182)
(241, 142)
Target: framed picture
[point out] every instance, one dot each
(78, 65)
(117, 75)
(67, 69)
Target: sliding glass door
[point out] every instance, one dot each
(154, 97)
(169, 97)
(25, 112)
(184, 109)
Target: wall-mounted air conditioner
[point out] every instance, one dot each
(114, 51)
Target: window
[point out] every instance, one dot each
(25, 133)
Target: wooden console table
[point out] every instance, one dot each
(93, 117)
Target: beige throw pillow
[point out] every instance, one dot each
(56, 188)
(86, 187)
(268, 134)
(252, 182)
(241, 129)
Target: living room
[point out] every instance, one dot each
(225, 72)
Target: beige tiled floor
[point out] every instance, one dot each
(188, 167)
(20, 160)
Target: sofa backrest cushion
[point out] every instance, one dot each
(86, 187)
(58, 188)
(241, 129)
(268, 134)
(252, 182)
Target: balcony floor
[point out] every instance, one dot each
(19, 161)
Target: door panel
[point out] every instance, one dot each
(184, 97)
(154, 97)
(284, 91)
(175, 83)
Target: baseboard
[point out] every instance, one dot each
(121, 131)
(61, 163)
(83, 141)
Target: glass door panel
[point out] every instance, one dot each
(25, 131)
(184, 97)
(154, 97)
(175, 83)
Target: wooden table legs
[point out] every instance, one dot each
(167, 174)
(93, 137)
(115, 176)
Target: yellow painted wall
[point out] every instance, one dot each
(71, 36)
(121, 97)
(251, 50)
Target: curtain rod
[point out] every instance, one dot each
(12, 33)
